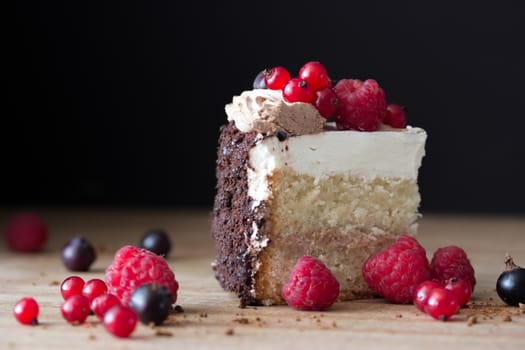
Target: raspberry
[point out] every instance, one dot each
(395, 272)
(395, 116)
(133, 267)
(26, 232)
(452, 261)
(361, 104)
(311, 285)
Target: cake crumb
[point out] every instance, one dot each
(242, 304)
(163, 333)
(334, 325)
(151, 325)
(472, 320)
(54, 283)
(399, 316)
(298, 318)
(507, 318)
(203, 314)
(229, 331)
(177, 309)
(521, 307)
(92, 337)
(242, 320)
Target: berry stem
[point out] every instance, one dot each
(509, 263)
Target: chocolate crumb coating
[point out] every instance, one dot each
(232, 217)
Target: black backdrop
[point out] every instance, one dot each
(120, 104)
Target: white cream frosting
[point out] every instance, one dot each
(395, 153)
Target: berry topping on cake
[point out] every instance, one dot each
(298, 90)
(133, 267)
(315, 75)
(276, 77)
(361, 104)
(311, 286)
(452, 262)
(354, 104)
(258, 82)
(395, 272)
(395, 116)
(326, 102)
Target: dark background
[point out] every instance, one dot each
(120, 104)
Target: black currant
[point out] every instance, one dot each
(78, 254)
(511, 283)
(258, 82)
(152, 303)
(156, 241)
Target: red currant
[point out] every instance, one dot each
(315, 75)
(26, 311)
(120, 321)
(101, 304)
(461, 288)
(442, 304)
(422, 293)
(326, 102)
(93, 288)
(298, 90)
(71, 286)
(395, 116)
(75, 309)
(276, 77)
(26, 232)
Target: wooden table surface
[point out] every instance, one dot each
(212, 318)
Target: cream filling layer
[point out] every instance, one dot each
(387, 153)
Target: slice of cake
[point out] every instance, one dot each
(289, 184)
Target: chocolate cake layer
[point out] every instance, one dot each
(232, 219)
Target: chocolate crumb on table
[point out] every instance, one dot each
(163, 333)
(229, 331)
(507, 318)
(203, 314)
(242, 320)
(472, 320)
(177, 309)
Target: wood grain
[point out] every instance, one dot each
(212, 318)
